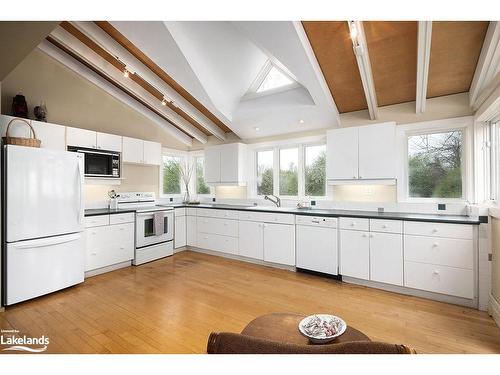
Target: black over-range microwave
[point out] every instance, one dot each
(99, 163)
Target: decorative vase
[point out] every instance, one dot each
(19, 106)
(40, 112)
(187, 196)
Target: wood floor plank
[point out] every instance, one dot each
(172, 305)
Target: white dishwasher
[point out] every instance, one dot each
(317, 248)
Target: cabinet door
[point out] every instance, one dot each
(51, 135)
(109, 142)
(355, 254)
(180, 232)
(212, 165)
(80, 137)
(317, 249)
(133, 150)
(251, 236)
(377, 151)
(191, 231)
(152, 153)
(386, 258)
(279, 243)
(121, 247)
(97, 241)
(229, 162)
(342, 154)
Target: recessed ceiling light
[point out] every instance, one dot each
(257, 129)
(353, 30)
(301, 122)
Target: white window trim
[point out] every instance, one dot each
(193, 155)
(465, 124)
(300, 143)
(176, 153)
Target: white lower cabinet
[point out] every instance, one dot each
(191, 232)
(251, 241)
(279, 243)
(108, 244)
(355, 254)
(180, 231)
(386, 258)
(217, 242)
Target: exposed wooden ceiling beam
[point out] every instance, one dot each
(110, 70)
(487, 66)
(363, 60)
(167, 79)
(423, 58)
(87, 73)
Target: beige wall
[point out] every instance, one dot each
(231, 192)
(364, 193)
(495, 266)
(135, 178)
(73, 101)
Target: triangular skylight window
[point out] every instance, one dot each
(273, 80)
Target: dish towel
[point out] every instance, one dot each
(158, 222)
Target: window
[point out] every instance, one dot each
(289, 176)
(315, 170)
(495, 161)
(172, 174)
(273, 80)
(201, 186)
(435, 165)
(265, 174)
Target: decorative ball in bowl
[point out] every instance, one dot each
(322, 328)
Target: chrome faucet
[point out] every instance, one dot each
(277, 202)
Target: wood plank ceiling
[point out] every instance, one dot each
(392, 47)
(455, 49)
(332, 46)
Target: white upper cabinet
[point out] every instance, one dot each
(52, 136)
(377, 151)
(133, 150)
(141, 152)
(362, 153)
(81, 137)
(109, 142)
(342, 154)
(152, 153)
(225, 164)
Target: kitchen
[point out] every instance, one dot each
(395, 201)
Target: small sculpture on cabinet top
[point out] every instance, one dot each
(41, 112)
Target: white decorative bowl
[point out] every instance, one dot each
(322, 328)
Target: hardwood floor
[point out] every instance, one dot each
(171, 306)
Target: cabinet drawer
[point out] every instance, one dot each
(179, 212)
(438, 229)
(443, 251)
(386, 226)
(122, 218)
(206, 212)
(250, 216)
(217, 226)
(191, 211)
(96, 221)
(440, 279)
(317, 221)
(278, 218)
(217, 242)
(227, 214)
(354, 223)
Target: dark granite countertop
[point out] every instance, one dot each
(107, 211)
(453, 219)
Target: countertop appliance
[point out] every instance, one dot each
(99, 163)
(149, 245)
(43, 209)
(317, 247)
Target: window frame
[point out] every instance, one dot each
(301, 144)
(304, 147)
(463, 124)
(172, 153)
(299, 174)
(194, 178)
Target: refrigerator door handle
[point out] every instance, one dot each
(80, 195)
(44, 242)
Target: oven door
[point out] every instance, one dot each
(145, 233)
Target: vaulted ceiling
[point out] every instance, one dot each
(203, 73)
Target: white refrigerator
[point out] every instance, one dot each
(43, 211)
